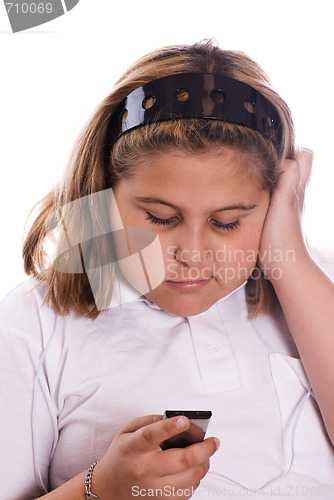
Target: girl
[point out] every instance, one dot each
(179, 279)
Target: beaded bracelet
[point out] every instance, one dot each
(88, 483)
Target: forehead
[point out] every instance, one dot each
(208, 174)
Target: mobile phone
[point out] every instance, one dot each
(199, 421)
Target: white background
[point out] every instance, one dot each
(53, 76)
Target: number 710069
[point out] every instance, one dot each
(29, 8)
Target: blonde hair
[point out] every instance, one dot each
(92, 168)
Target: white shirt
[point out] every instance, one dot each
(94, 376)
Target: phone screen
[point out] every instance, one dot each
(199, 421)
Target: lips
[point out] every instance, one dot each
(186, 281)
(188, 285)
(189, 280)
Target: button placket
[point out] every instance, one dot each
(215, 358)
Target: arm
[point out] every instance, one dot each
(73, 489)
(134, 459)
(305, 292)
(306, 295)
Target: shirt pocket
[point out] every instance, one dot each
(303, 431)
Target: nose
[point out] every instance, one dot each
(191, 246)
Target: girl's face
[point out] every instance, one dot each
(209, 217)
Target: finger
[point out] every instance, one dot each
(304, 159)
(176, 460)
(150, 436)
(289, 176)
(139, 422)
(294, 177)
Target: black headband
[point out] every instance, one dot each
(196, 95)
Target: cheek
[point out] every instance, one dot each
(245, 254)
(252, 235)
(241, 250)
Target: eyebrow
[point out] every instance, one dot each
(224, 209)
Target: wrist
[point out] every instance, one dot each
(89, 495)
(279, 262)
(293, 273)
(100, 486)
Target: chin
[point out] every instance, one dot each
(184, 306)
(183, 310)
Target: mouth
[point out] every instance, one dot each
(188, 284)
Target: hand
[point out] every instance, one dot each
(135, 460)
(282, 237)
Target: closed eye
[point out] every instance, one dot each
(225, 227)
(160, 222)
(167, 222)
